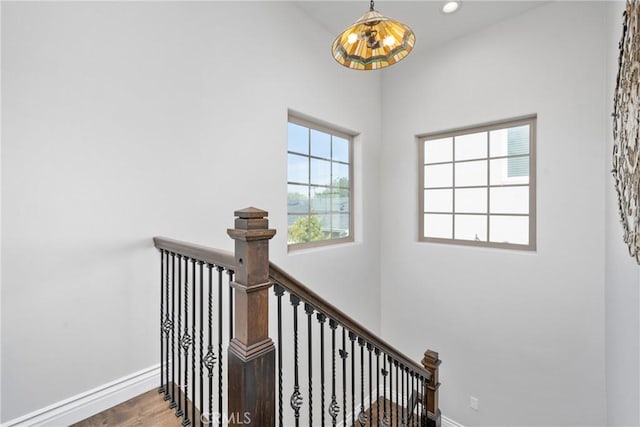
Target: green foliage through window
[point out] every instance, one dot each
(306, 229)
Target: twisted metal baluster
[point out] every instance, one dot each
(167, 326)
(362, 416)
(343, 356)
(201, 264)
(308, 309)
(322, 318)
(186, 342)
(409, 396)
(296, 398)
(210, 359)
(193, 336)
(161, 389)
(385, 373)
(419, 400)
(279, 291)
(173, 403)
(179, 412)
(352, 338)
(334, 409)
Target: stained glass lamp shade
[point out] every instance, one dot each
(373, 42)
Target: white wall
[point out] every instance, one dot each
(621, 271)
(122, 121)
(522, 332)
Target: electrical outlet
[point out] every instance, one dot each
(474, 403)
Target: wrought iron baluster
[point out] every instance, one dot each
(173, 403)
(167, 326)
(424, 406)
(220, 353)
(279, 291)
(308, 309)
(369, 349)
(230, 274)
(362, 416)
(377, 353)
(419, 400)
(322, 318)
(186, 342)
(417, 416)
(161, 389)
(391, 391)
(343, 356)
(296, 398)
(405, 396)
(201, 264)
(385, 373)
(231, 292)
(334, 409)
(410, 406)
(179, 412)
(410, 395)
(210, 359)
(193, 337)
(414, 392)
(403, 403)
(352, 338)
(395, 365)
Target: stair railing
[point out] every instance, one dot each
(333, 371)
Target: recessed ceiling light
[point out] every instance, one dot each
(450, 6)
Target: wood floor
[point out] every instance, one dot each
(148, 409)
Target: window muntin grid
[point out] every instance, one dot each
(482, 179)
(320, 184)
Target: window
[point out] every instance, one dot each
(320, 185)
(477, 185)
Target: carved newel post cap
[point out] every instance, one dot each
(431, 358)
(251, 212)
(251, 224)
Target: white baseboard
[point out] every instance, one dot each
(448, 422)
(91, 402)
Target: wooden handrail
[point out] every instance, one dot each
(226, 259)
(218, 257)
(294, 286)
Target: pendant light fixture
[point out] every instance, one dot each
(373, 42)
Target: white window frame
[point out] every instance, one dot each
(530, 120)
(334, 131)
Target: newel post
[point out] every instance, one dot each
(431, 363)
(251, 351)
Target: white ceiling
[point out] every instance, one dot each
(431, 26)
